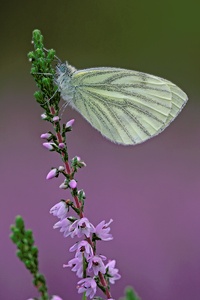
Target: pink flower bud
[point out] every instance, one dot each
(45, 135)
(63, 186)
(56, 298)
(56, 119)
(61, 169)
(52, 173)
(70, 123)
(43, 116)
(49, 146)
(73, 184)
(61, 145)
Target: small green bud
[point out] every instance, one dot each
(34, 70)
(39, 97)
(16, 231)
(31, 55)
(29, 234)
(41, 278)
(28, 264)
(19, 222)
(81, 195)
(39, 52)
(42, 63)
(37, 35)
(51, 53)
(13, 238)
(46, 81)
(19, 254)
(34, 251)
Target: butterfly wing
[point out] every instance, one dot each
(127, 107)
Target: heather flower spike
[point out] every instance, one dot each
(86, 263)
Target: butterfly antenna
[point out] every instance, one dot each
(58, 59)
(38, 73)
(47, 101)
(63, 107)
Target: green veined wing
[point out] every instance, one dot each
(127, 107)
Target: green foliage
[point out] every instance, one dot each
(43, 73)
(130, 294)
(28, 254)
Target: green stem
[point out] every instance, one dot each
(84, 296)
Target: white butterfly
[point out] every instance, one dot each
(127, 107)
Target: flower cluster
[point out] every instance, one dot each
(87, 263)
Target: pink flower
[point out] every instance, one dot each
(56, 298)
(45, 135)
(77, 266)
(81, 227)
(56, 119)
(43, 116)
(61, 168)
(73, 184)
(96, 264)
(81, 248)
(89, 286)
(49, 146)
(64, 225)
(70, 123)
(61, 145)
(112, 271)
(102, 231)
(59, 210)
(63, 185)
(53, 173)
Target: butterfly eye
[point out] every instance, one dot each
(61, 68)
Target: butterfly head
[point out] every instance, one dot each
(64, 69)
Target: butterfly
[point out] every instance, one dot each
(127, 107)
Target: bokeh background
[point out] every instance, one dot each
(150, 190)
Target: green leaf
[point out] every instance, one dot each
(130, 294)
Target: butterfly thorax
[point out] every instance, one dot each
(63, 80)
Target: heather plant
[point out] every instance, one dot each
(96, 273)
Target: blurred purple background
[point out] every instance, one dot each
(151, 191)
